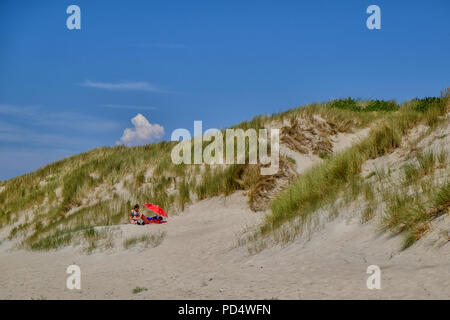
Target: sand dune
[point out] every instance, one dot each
(199, 259)
(197, 254)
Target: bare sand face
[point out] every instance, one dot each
(199, 259)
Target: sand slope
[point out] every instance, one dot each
(199, 259)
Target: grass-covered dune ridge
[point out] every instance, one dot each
(325, 183)
(64, 201)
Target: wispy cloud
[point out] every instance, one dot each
(164, 45)
(42, 117)
(21, 136)
(128, 107)
(123, 86)
(143, 132)
(45, 135)
(14, 110)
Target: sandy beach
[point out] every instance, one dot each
(199, 259)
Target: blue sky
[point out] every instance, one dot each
(64, 91)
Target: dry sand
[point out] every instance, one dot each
(199, 259)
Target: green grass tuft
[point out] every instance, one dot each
(139, 290)
(148, 241)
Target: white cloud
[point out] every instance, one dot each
(123, 86)
(143, 132)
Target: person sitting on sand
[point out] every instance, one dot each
(136, 217)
